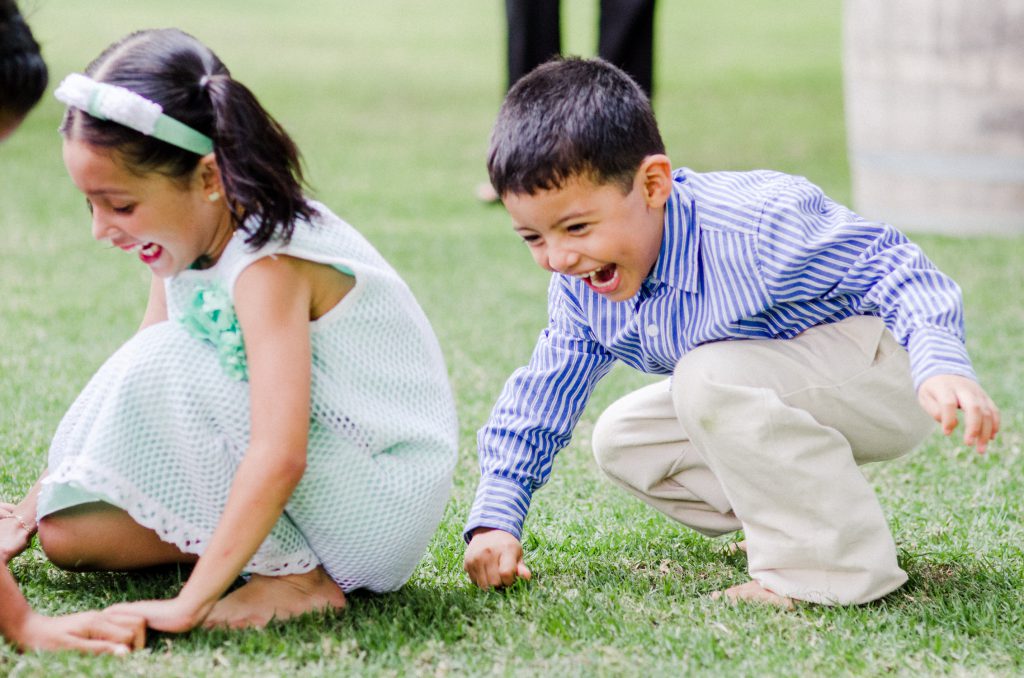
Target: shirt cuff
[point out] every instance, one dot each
(933, 352)
(500, 503)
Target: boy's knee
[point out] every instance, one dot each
(697, 381)
(609, 438)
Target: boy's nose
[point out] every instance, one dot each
(562, 260)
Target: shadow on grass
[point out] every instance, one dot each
(630, 583)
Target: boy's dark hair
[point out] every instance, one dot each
(259, 163)
(23, 74)
(567, 118)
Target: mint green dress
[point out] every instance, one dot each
(161, 428)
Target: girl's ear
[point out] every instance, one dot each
(655, 173)
(209, 174)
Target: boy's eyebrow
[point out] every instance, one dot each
(572, 216)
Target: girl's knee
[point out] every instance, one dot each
(61, 543)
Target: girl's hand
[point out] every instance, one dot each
(174, 615)
(14, 535)
(91, 632)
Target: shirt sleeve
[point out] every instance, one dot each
(535, 414)
(812, 249)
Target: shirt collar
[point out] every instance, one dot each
(677, 263)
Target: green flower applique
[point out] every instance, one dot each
(210, 316)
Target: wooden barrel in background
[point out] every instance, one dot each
(935, 113)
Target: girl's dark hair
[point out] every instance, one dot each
(23, 74)
(259, 163)
(571, 118)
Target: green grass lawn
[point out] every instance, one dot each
(392, 102)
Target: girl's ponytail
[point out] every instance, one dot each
(259, 163)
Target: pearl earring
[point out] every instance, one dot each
(214, 197)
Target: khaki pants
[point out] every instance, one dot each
(765, 436)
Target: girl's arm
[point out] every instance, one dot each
(272, 299)
(18, 523)
(156, 307)
(92, 632)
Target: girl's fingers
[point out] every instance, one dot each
(125, 628)
(93, 646)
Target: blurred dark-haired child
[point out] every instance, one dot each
(23, 78)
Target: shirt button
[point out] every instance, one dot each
(652, 330)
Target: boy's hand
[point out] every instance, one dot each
(942, 395)
(494, 558)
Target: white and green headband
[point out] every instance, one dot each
(125, 107)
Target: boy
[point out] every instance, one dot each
(795, 333)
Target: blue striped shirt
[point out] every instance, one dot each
(744, 255)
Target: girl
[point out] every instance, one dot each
(284, 410)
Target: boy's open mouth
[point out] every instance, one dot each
(604, 280)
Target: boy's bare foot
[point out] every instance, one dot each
(755, 593)
(738, 546)
(264, 598)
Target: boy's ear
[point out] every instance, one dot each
(655, 174)
(209, 174)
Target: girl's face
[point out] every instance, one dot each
(168, 223)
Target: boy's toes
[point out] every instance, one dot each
(755, 593)
(737, 546)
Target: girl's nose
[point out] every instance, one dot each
(101, 230)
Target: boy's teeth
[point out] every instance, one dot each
(149, 249)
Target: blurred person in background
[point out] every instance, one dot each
(625, 38)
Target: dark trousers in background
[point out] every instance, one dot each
(625, 36)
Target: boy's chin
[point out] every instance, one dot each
(621, 293)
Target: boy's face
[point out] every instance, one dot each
(594, 232)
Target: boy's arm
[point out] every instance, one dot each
(532, 420)
(815, 251)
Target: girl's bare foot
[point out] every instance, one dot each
(755, 593)
(264, 598)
